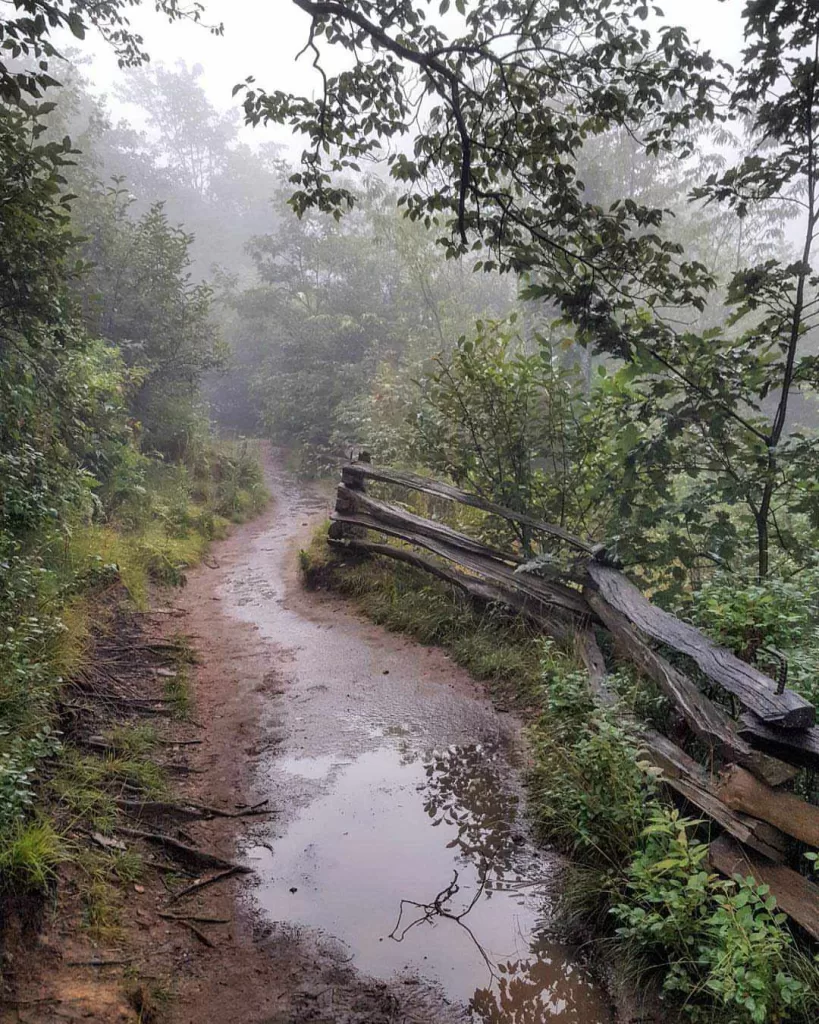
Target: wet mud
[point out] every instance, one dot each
(401, 838)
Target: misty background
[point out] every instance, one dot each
(321, 324)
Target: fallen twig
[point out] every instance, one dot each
(17, 1003)
(196, 931)
(201, 883)
(99, 963)
(189, 811)
(438, 908)
(196, 917)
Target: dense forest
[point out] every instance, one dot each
(554, 253)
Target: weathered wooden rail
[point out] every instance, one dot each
(750, 757)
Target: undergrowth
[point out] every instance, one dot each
(58, 584)
(711, 949)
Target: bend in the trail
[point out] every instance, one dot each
(399, 841)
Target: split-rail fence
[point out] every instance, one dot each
(753, 756)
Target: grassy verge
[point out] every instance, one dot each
(61, 598)
(709, 948)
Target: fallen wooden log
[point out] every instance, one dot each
(544, 592)
(359, 472)
(756, 691)
(794, 894)
(704, 718)
(786, 811)
(797, 747)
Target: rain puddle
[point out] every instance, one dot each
(413, 861)
(397, 834)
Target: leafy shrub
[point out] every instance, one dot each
(783, 614)
(719, 942)
(589, 792)
(18, 762)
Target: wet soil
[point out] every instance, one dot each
(395, 880)
(399, 843)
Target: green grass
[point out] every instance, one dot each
(102, 876)
(30, 855)
(53, 600)
(178, 693)
(134, 741)
(85, 787)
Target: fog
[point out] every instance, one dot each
(262, 38)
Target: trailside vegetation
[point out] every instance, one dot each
(584, 289)
(111, 478)
(651, 389)
(505, 110)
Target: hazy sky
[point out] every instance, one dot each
(262, 38)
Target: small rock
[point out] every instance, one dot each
(294, 888)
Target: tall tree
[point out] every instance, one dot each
(498, 116)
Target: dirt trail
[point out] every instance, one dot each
(394, 881)
(394, 780)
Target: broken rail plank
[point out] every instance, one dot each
(742, 792)
(476, 588)
(360, 471)
(794, 894)
(753, 689)
(797, 747)
(355, 501)
(545, 592)
(690, 780)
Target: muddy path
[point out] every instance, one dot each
(396, 880)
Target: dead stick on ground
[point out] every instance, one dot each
(190, 853)
(99, 963)
(200, 883)
(196, 917)
(196, 931)
(189, 810)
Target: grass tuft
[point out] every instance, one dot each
(30, 855)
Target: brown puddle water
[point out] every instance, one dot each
(399, 835)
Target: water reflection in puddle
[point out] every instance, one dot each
(415, 863)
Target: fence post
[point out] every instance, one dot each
(352, 481)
